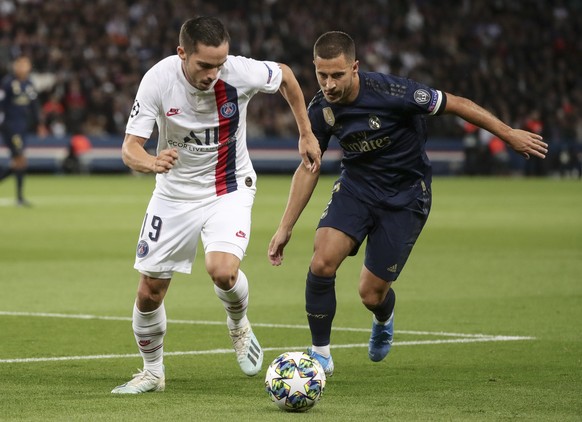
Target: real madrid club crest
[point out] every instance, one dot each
(328, 116)
(374, 122)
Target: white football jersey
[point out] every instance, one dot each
(208, 128)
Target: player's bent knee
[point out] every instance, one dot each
(224, 276)
(223, 265)
(148, 299)
(223, 279)
(371, 300)
(322, 268)
(151, 291)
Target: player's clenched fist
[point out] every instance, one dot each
(165, 160)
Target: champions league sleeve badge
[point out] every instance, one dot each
(421, 96)
(134, 109)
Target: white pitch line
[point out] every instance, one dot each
(266, 349)
(463, 338)
(255, 324)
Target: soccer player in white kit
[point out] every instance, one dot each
(205, 182)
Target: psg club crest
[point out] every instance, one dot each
(142, 248)
(228, 109)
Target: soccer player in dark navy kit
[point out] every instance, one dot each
(384, 190)
(19, 114)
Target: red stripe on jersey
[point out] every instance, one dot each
(228, 115)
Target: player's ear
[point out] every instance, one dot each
(181, 52)
(356, 66)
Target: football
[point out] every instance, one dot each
(295, 381)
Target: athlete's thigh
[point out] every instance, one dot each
(228, 226)
(393, 237)
(169, 236)
(348, 214)
(331, 247)
(14, 142)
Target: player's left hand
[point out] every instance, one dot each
(310, 152)
(526, 143)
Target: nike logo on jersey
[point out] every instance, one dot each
(242, 234)
(173, 112)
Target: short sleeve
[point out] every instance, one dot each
(146, 105)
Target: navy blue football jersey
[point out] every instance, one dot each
(19, 103)
(383, 135)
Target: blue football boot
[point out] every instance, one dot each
(381, 340)
(326, 363)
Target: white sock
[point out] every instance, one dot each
(324, 351)
(235, 301)
(149, 329)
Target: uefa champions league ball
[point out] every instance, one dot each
(295, 381)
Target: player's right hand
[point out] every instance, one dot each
(165, 160)
(277, 245)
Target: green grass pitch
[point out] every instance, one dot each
(488, 317)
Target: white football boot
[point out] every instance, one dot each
(248, 351)
(142, 382)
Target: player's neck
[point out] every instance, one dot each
(354, 91)
(186, 74)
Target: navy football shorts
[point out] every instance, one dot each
(14, 142)
(391, 232)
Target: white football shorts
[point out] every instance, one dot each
(171, 230)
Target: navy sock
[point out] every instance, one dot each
(320, 304)
(383, 311)
(19, 183)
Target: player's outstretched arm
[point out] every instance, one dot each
(137, 158)
(302, 187)
(308, 145)
(524, 142)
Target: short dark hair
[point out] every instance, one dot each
(205, 30)
(333, 44)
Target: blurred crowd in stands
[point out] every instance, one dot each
(521, 59)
